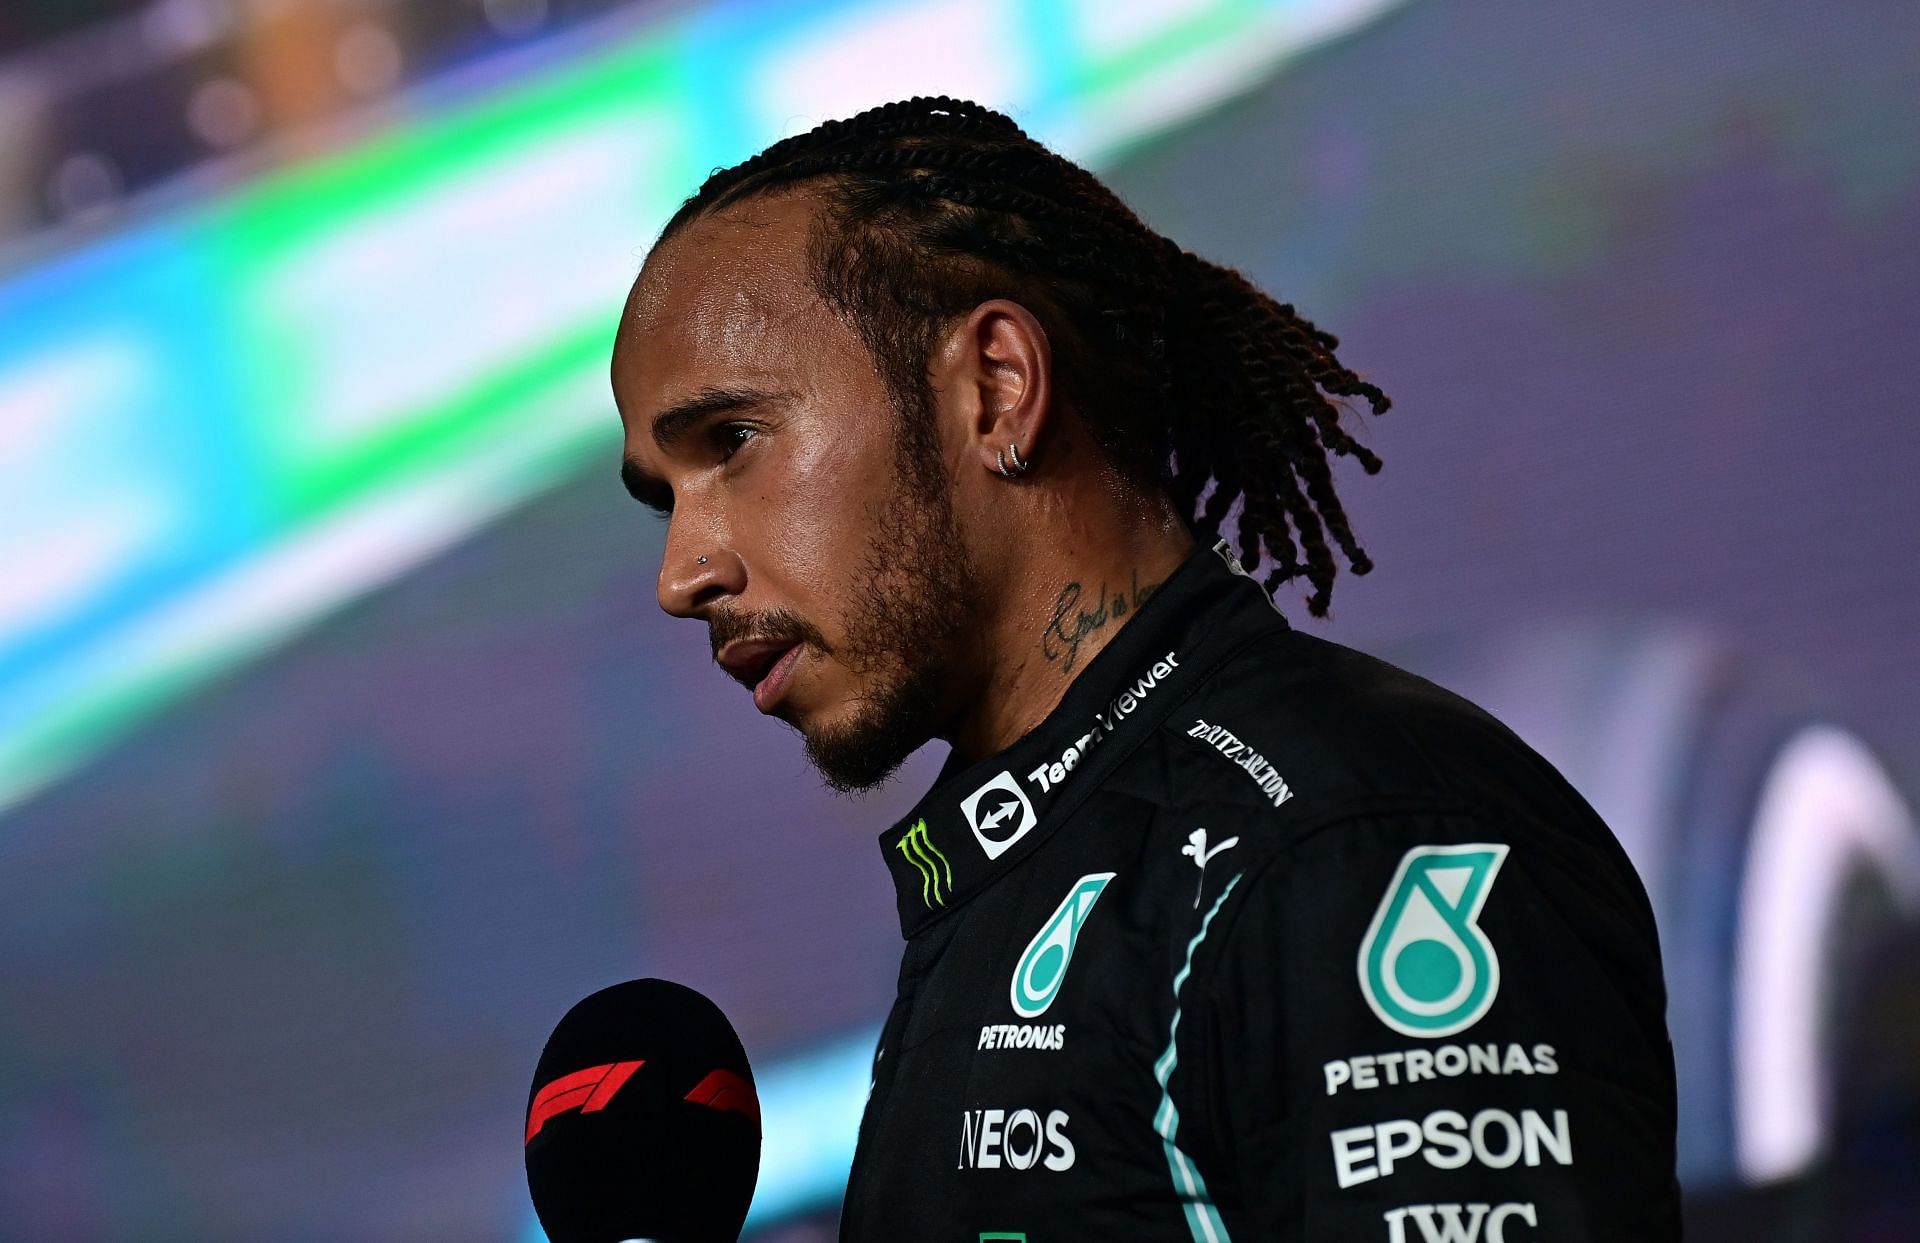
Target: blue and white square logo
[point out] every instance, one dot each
(999, 814)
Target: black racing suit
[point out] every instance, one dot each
(1257, 937)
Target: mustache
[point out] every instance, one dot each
(777, 625)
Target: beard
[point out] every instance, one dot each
(917, 597)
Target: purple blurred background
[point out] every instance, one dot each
(1643, 282)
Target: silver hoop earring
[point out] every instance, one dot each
(1019, 467)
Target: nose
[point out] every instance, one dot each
(687, 587)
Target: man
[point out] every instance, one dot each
(1214, 929)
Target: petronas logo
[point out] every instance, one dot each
(936, 876)
(1426, 969)
(1037, 979)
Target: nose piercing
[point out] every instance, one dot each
(703, 561)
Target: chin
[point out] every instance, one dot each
(858, 739)
(860, 757)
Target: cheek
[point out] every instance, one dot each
(818, 509)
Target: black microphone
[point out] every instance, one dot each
(643, 1122)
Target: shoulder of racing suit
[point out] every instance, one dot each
(1423, 996)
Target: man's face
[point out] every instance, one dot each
(785, 472)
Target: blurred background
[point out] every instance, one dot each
(343, 746)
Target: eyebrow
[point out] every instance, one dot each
(672, 425)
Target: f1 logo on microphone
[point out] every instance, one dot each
(999, 814)
(727, 1092)
(587, 1090)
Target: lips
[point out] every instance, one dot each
(749, 660)
(772, 688)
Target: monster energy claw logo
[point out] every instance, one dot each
(929, 862)
(1426, 969)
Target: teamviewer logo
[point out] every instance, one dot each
(999, 814)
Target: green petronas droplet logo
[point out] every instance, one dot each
(1426, 968)
(1036, 980)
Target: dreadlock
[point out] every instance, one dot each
(1182, 370)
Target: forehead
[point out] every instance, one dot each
(725, 301)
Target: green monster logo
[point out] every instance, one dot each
(1426, 969)
(924, 855)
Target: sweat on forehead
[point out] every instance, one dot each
(758, 245)
(727, 300)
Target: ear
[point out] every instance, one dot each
(994, 374)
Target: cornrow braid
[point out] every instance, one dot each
(1186, 374)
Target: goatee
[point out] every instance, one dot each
(918, 595)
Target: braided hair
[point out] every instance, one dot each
(1182, 370)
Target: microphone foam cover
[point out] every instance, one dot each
(643, 1122)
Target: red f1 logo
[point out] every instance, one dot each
(586, 1090)
(728, 1092)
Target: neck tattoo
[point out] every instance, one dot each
(1077, 615)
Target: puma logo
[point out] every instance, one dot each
(1196, 849)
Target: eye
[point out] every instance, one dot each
(727, 437)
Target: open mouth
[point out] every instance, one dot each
(771, 685)
(764, 665)
(761, 665)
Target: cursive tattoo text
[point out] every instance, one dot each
(1074, 618)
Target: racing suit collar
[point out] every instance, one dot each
(979, 820)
